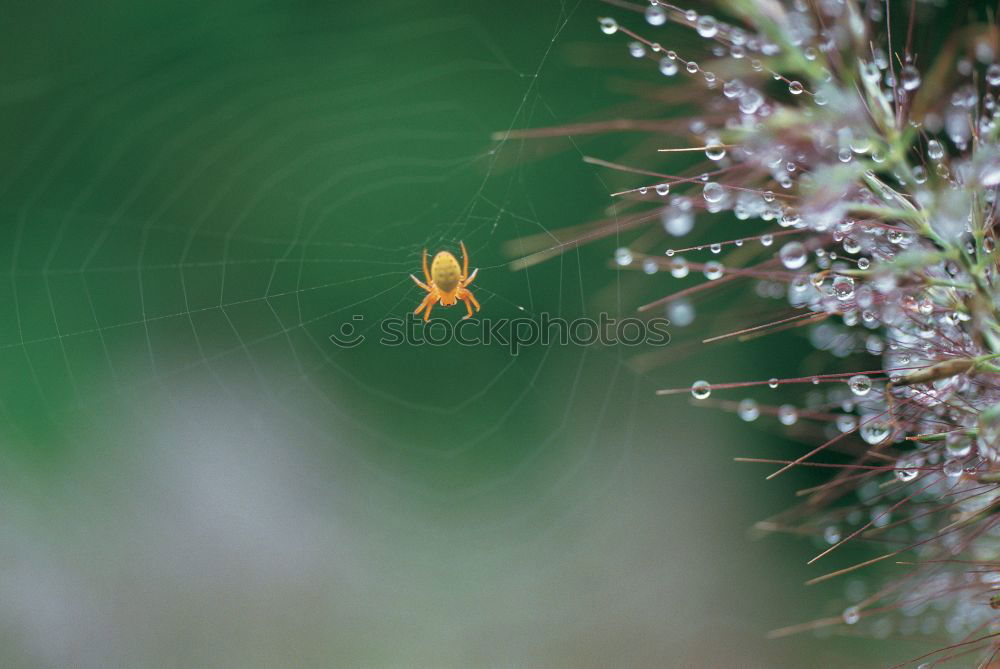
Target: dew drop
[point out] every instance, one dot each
(957, 446)
(707, 26)
(843, 288)
(677, 221)
(861, 145)
(772, 383)
(934, 150)
(909, 76)
(733, 88)
(623, 256)
(874, 430)
(993, 75)
(713, 270)
(609, 26)
(851, 615)
(701, 390)
(789, 218)
(952, 468)
(680, 313)
(668, 66)
(989, 175)
(748, 410)
(713, 192)
(860, 384)
(793, 255)
(656, 15)
(750, 101)
(715, 151)
(905, 470)
(788, 414)
(846, 422)
(795, 88)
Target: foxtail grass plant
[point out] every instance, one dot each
(859, 142)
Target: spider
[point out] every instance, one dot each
(446, 283)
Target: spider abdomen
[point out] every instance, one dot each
(445, 272)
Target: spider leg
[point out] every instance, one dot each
(420, 283)
(468, 293)
(468, 305)
(469, 278)
(428, 299)
(465, 259)
(427, 314)
(427, 273)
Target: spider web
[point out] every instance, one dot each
(191, 212)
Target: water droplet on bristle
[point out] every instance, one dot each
(707, 26)
(656, 15)
(713, 270)
(860, 384)
(713, 192)
(851, 615)
(701, 390)
(934, 150)
(793, 255)
(909, 76)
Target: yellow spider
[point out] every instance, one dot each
(446, 283)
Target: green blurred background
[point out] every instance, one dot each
(195, 195)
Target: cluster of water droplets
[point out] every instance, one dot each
(854, 232)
